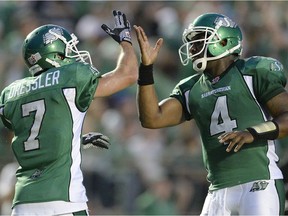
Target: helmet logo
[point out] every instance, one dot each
(34, 58)
(224, 21)
(49, 38)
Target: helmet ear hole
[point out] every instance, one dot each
(223, 42)
(60, 56)
(220, 47)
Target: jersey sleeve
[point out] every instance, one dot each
(270, 79)
(2, 105)
(87, 79)
(181, 93)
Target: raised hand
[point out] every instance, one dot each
(122, 29)
(148, 53)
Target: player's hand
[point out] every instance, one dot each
(95, 139)
(122, 29)
(148, 53)
(235, 139)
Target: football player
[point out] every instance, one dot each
(46, 113)
(239, 105)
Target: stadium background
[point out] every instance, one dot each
(156, 172)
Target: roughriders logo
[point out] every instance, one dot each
(49, 38)
(259, 185)
(224, 21)
(276, 66)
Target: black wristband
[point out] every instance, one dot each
(266, 131)
(145, 75)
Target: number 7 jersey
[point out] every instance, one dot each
(234, 101)
(46, 114)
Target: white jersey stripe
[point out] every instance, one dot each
(249, 82)
(271, 153)
(77, 191)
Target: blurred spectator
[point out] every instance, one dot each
(7, 183)
(133, 172)
(157, 199)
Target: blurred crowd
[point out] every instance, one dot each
(148, 172)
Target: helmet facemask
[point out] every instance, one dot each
(200, 37)
(71, 50)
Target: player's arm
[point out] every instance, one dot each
(157, 115)
(271, 81)
(278, 108)
(270, 130)
(126, 72)
(8, 133)
(151, 113)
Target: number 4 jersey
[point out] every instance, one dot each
(46, 114)
(234, 101)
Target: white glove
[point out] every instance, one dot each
(122, 29)
(95, 139)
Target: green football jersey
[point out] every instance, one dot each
(234, 101)
(46, 114)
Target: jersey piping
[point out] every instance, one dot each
(76, 192)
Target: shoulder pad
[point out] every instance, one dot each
(188, 82)
(263, 63)
(192, 78)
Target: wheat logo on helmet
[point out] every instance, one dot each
(49, 38)
(51, 46)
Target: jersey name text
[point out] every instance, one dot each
(50, 79)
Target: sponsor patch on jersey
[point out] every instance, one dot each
(215, 91)
(258, 186)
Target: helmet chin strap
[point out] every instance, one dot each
(199, 65)
(54, 63)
